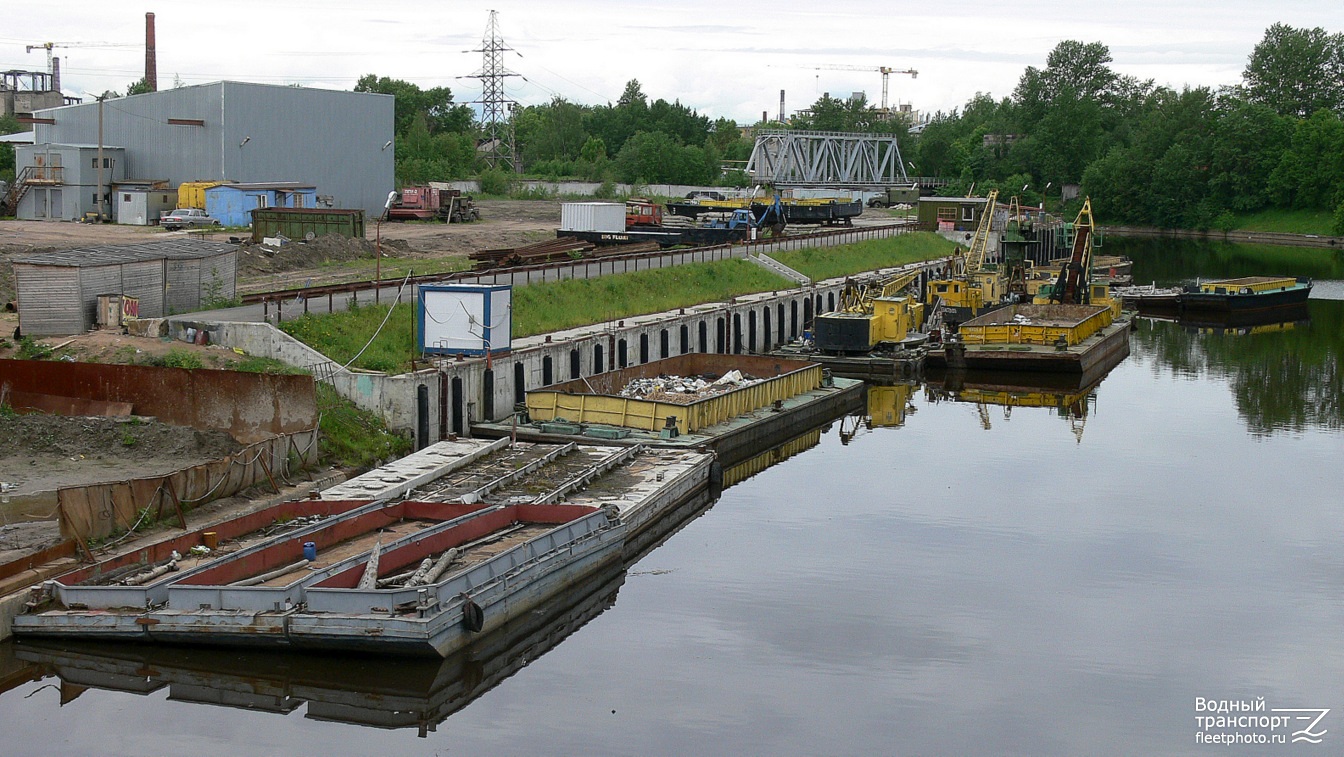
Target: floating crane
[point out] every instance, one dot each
(970, 287)
(871, 315)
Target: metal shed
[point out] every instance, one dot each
(58, 291)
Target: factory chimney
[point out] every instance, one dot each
(151, 64)
(781, 106)
(55, 74)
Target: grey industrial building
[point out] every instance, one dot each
(226, 131)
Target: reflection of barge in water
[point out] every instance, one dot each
(1239, 322)
(382, 693)
(490, 525)
(1058, 338)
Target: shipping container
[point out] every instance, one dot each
(142, 206)
(298, 223)
(592, 216)
(191, 194)
(597, 399)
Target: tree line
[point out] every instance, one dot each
(1146, 154)
(1150, 155)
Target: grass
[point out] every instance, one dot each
(830, 262)
(551, 306)
(556, 305)
(1287, 222)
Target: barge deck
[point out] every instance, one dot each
(479, 534)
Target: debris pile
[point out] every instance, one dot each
(683, 390)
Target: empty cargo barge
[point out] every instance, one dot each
(415, 558)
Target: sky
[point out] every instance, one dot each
(724, 60)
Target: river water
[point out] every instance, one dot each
(956, 576)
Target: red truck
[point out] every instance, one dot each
(641, 213)
(432, 204)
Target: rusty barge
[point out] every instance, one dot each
(416, 558)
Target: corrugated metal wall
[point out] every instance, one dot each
(48, 299)
(252, 133)
(93, 281)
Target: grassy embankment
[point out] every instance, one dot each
(551, 306)
(1320, 222)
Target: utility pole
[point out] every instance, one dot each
(100, 158)
(496, 107)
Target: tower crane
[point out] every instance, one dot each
(886, 72)
(49, 45)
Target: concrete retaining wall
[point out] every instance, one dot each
(463, 391)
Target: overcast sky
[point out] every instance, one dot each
(723, 59)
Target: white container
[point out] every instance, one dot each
(592, 216)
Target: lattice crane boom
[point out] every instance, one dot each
(886, 72)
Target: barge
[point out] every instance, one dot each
(1248, 293)
(783, 396)
(476, 541)
(1037, 337)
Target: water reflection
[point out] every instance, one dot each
(1284, 369)
(383, 693)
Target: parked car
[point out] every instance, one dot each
(184, 217)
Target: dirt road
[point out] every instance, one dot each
(504, 223)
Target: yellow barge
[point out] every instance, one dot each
(1037, 337)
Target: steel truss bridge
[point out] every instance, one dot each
(826, 159)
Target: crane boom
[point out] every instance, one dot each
(886, 71)
(975, 257)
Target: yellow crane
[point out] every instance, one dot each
(871, 313)
(970, 286)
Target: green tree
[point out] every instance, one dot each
(436, 104)
(8, 125)
(1310, 173)
(138, 87)
(1297, 71)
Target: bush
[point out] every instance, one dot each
(494, 182)
(31, 349)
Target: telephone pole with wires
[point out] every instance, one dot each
(496, 107)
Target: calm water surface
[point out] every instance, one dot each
(975, 580)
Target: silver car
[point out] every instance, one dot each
(184, 217)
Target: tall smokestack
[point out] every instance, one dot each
(151, 64)
(781, 106)
(55, 74)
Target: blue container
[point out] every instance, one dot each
(309, 550)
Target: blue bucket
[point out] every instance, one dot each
(309, 550)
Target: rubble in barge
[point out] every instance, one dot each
(683, 390)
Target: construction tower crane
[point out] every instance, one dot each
(49, 45)
(884, 70)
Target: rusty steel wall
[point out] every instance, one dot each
(250, 406)
(99, 510)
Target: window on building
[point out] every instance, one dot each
(125, 198)
(947, 214)
(968, 213)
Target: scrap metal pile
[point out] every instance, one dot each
(683, 390)
(551, 251)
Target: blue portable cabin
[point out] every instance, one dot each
(232, 204)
